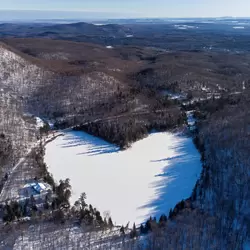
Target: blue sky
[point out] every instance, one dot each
(136, 8)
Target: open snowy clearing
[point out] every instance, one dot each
(145, 180)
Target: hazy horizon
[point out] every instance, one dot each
(103, 9)
(33, 15)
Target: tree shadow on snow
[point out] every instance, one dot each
(176, 181)
(94, 145)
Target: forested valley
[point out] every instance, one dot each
(121, 95)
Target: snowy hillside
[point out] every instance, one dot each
(18, 74)
(49, 92)
(146, 180)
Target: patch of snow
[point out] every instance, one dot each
(238, 27)
(209, 97)
(190, 118)
(243, 85)
(109, 47)
(184, 27)
(243, 23)
(39, 122)
(145, 180)
(207, 22)
(213, 95)
(220, 88)
(25, 219)
(128, 36)
(236, 93)
(173, 96)
(204, 88)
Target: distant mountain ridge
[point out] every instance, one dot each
(66, 30)
(184, 34)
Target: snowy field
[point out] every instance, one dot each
(147, 179)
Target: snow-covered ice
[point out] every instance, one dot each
(145, 180)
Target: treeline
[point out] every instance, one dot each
(152, 225)
(6, 150)
(56, 207)
(15, 210)
(123, 132)
(43, 173)
(211, 106)
(222, 136)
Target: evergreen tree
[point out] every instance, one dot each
(16, 208)
(170, 214)
(142, 229)
(105, 222)
(110, 222)
(32, 201)
(182, 204)
(58, 216)
(148, 227)
(82, 201)
(133, 233)
(63, 192)
(8, 214)
(122, 230)
(25, 207)
(99, 218)
(54, 204)
(163, 220)
(91, 209)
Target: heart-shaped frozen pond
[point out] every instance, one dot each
(145, 180)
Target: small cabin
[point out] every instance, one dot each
(39, 187)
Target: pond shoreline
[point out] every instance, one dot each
(146, 175)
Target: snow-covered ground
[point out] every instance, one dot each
(39, 122)
(147, 179)
(173, 96)
(49, 236)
